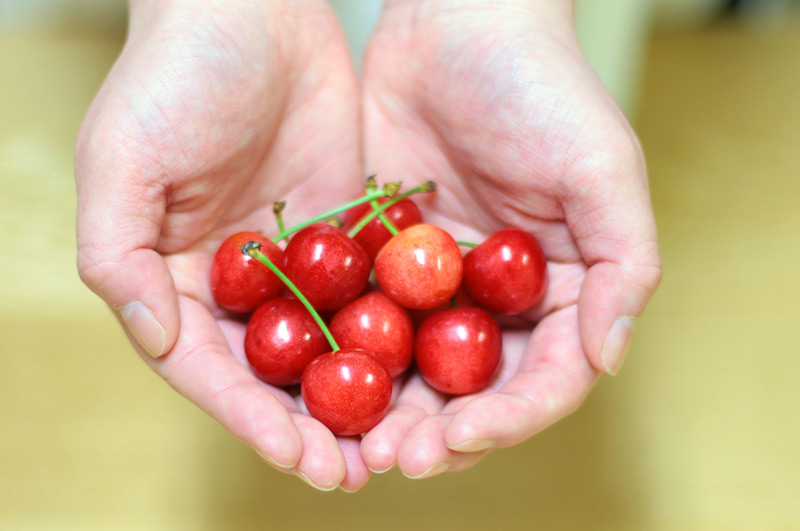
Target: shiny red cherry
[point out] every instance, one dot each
(281, 339)
(458, 351)
(240, 283)
(507, 273)
(419, 268)
(327, 266)
(378, 325)
(347, 390)
(374, 235)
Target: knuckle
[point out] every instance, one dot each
(94, 267)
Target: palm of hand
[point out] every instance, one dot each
(513, 127)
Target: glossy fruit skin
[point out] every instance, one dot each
(348, 390)
(507, 273)
(374, 235)
(462, 300)
(380, 326)
(327, 266)
(239, 282)
(458, 351)
(281, 340)
(419, 268)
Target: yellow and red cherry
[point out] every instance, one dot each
(420, 267)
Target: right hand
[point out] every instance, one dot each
(211, 113)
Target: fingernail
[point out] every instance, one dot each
(616, 345)
(432, 471)
(145, 328)
(270, 460)
(307, 480)
(345, 490)
(381, 471)
(473, 445)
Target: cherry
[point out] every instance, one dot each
(507, 273)
(281, 339)
(459, 300)
(458, 351)
(419, 268)
(348, 390)
(378, 325)
(374, 235)
(240, 283)
(327, 266)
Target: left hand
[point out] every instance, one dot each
(496, 103)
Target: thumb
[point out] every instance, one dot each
(121, 206)
(615, 231)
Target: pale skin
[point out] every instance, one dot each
(211, 114)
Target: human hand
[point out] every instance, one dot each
(496, 103)
(211, 113)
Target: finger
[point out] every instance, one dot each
(551, 381)
(423, 453)
(563, 285)
(120, 211)
(202, 368)
(357, 473)
(416, 401)
(322, 464)
(614, 228)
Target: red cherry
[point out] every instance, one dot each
(240, 283)
(458, 351)
(462, 300)
(374, 235)
(281, 339)
(507, 273)
(420, 268)
(348, 390)
(378, 325)
(327, 266)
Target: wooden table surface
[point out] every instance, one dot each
(701, 430)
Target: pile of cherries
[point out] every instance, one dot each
(371, 331)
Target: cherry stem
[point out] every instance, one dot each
(388, 190)
(372, 185)
(253, 249)
(426, 187)
(467, 244)
(277, 209)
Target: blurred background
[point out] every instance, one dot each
(701, 430)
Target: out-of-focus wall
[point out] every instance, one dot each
(613, 33)
(75, 15)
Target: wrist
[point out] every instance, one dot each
(557, 8)
(533, 17)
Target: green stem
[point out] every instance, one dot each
(382, 216)
(429, 186)
(467, 244)
(253, 249)
(372, 185)
(387, 191)
(277, 209)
